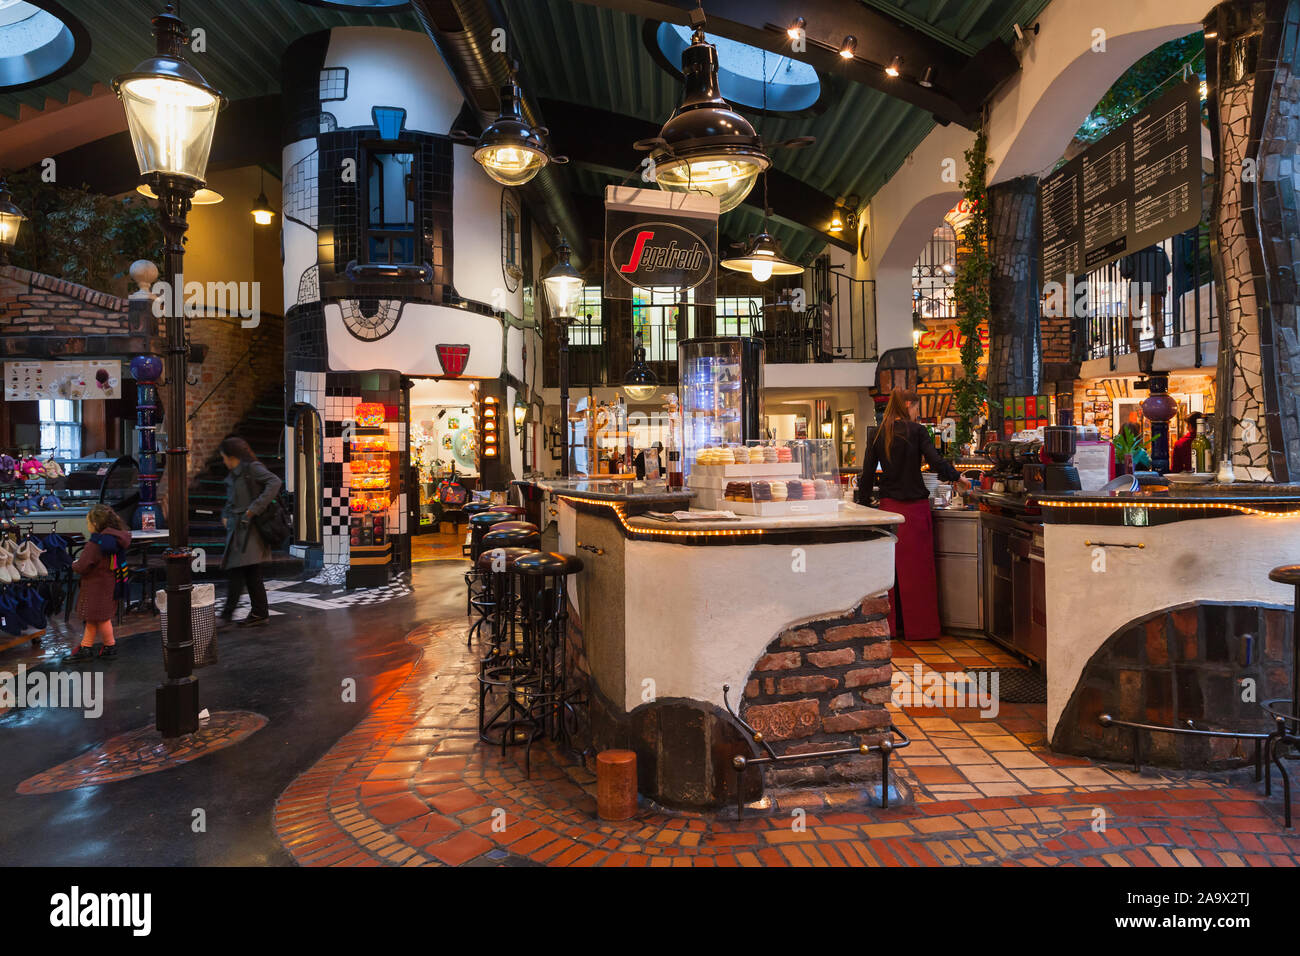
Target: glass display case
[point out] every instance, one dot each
(721, 383)
(768, 477)
(599, 439)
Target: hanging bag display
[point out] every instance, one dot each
(451, 492)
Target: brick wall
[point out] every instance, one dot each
(257, 355)
(46, 317)
(1180, 664)
(822, 685)
(1056, 350)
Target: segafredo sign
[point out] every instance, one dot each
(651, 245)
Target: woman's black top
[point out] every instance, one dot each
(900, 476)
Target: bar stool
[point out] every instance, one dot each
(513, 510)
(508, 676)
(543, 588)
(478, 526)
(502, 534)
(1285, 711)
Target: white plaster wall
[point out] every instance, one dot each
(476, 209)
(515, 351)
(700, 617)
(411, 346)
(1221, 559)
(391, 67)
(1061, 79)
(298, 241)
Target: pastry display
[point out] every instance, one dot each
(794, 489)
(770, 455)
(779, 491)
(784, 454)
(755, 455)
(762, 491)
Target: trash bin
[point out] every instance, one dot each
(203, 623)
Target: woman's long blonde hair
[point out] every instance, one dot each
(895, 411)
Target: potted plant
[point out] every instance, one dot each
(1130, 449)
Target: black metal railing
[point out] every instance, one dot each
(1116, 314)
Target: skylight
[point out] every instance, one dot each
(791, 84)
(35, 44)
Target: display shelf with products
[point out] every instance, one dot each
(722, 393)
(767, 478)
(370, 495)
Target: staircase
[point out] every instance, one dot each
(262, 428)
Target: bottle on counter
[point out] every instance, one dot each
(1202, 456)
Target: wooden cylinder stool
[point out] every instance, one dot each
(616, 784)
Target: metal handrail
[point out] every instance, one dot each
(1191, 730)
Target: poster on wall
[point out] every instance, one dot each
(1137, 186)
(660, 240)
(83, 380)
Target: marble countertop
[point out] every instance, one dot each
(612, 489)
(1142, 496)
(849, 516)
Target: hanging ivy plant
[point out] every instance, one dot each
(972, 293)
(82, 236)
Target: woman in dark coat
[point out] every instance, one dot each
(899, 446)
(250, 487)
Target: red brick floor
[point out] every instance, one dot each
(412, 786)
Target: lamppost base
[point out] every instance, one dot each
(177, 707)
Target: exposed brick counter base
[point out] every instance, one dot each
(411, 786)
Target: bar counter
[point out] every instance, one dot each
(671, 612)
(1159, 608)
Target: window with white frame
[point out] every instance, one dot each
(654, 316)
(587, 329)
(738, 315)
(60, 428)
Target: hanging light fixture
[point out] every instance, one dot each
(520, 414)
(762, 256)
(837, 221)
(511, 150)
(706, 146)
(204, 197)
(640, 383)
(262, 211)
(11, 221)
(563, 286)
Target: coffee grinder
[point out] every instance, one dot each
(1058, 449)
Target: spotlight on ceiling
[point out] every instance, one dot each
(849, 47)
(895, 66)
(796, 28)
(927, 78)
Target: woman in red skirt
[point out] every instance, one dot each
(898, 446)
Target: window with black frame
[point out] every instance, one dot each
(391, 233)
(934, 276)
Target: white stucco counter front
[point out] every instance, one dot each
(671, 612)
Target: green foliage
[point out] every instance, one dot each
(1142, 83)
(971, 289)
(1129, 443)
(82, 236)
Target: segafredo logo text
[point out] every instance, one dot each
(660, 254)
(71, 691)
(76, 909)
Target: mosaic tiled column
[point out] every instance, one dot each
(1013, 292)
(147, 369)
(1253, 102)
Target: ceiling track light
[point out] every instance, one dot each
(849, 48)
(927, 78)
(895, 67)
(796, 29)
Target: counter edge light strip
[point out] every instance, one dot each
(617, 508)
(1168, 506)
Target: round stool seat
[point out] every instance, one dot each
(499, 537)
(515, 526)
(474, 507)
(485, 519)
(509, 510)
(1286, 574)
(548, 563)
(488, 558)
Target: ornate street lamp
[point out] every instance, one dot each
(563, 286)
(171, 112)
(11, 221)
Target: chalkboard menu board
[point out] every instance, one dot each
(1140, 184)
